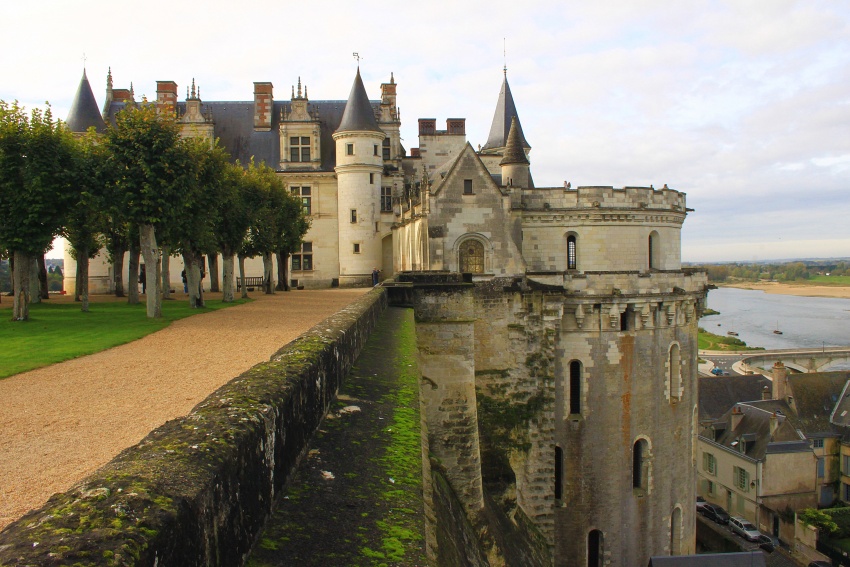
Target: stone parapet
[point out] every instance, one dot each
(603, 197)
(197, 490)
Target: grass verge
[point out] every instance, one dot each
(60, 331)
(710, 341)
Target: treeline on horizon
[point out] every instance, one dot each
(805, 270)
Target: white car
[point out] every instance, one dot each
(744, 529)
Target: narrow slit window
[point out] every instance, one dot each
(575, 387)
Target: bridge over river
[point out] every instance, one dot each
(799, 359)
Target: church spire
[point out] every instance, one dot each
(505, 110)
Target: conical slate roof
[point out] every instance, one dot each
(505, 110)
(84, 111)
(358, 115)
(513, 147)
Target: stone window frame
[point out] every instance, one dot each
(709, 463)
(305, 194)
(468, 188)
(676, 530)
(575, 385)
(298, 149)
(483, 240)
(303, 259)
(572, 251)
(674, 386)
(741, 478)
(654, 251)
(386, 199)
(595, 548)
(349, 149)
(642, 466)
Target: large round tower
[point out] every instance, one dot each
(359, 165)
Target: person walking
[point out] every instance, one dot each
(143, 279)
(375, 273)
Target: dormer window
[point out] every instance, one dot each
(299, 149)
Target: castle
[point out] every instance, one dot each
(559, 371)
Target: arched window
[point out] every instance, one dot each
(654, 252)
(676, 531)
(471, 257)
(571, 252)
(640, 465)
(674, 373)
(575, 387)
(559, 472)
(594, 548)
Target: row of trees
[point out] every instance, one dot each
(140, 189)
(788, 271)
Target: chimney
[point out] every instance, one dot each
(780, 385)
(388, 92)
(737, 416)
(765, 393)
(456, 126)
(166, 97)
(263, 104)
(774, 423)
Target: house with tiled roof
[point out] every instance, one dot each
(767, 457)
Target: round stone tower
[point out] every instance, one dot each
(359, 168)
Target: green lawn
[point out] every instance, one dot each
(710, 341)
(828, 280)
(60, 331)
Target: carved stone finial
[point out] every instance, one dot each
(193, 87)
(109, 79)
(305, 92)
(293, 91)
(392, 78)
(299, 87)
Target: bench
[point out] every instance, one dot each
(250, 282)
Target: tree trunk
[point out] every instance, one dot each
(242, 276)
(79, 276)
(267, 274)
(133, 276)
(227, 277)
(42, 277)
(35, 288)
(166, 272)
(281, 273)
(83, 277)
(153, 270)
(118, 273)
(285, 262)
(21, 286)
(212, 260)
(191, 263)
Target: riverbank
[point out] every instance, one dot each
(800, 290)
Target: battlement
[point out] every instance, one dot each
(606, 197)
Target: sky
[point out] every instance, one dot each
(744, 105)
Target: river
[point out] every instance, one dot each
(805, 322)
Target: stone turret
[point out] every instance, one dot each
(505, 112)
(515, 163)
(84, 112)
(359, 167)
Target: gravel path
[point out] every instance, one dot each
(60, 423)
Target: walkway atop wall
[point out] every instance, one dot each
(60, 423)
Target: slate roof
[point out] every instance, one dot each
(234, 127)
(754, 430)
(717, 394)
(359, 115)
(815, 396)
(84, 110)
(501, 127)
(513, 148)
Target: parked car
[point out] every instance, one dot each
(715, 513)
(820, 564)
(700, 503)
(717, 371)
(744, 529)
(768, 543)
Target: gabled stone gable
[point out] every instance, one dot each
(484, 216)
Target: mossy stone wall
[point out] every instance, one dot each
(197, 490)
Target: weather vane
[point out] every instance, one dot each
(356, 56)
(505, 56)
(84, 60)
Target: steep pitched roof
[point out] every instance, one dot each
(718, 394)
(815, 397)
(84, 110)
(505, 110)
(443, 175)
(754, 429)
(513, 148)
(359, 115)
